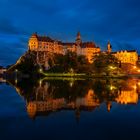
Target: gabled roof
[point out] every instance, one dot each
(42, 38)
(113, 52)
(45, 39)
(88, 45)
(124, 51)
(48, 39)
(131, 51)
(68, 44)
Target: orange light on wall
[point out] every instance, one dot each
(134, 67)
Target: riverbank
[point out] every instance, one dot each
(81, 75)
(84, 75)
(43, 75)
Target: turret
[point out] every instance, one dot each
(78, 39)
(33, 42)
(109, 47)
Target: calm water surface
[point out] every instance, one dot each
(70, 109)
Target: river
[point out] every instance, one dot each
(70, 109)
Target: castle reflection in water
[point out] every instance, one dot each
(48, 96)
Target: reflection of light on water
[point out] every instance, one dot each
(127, 97)
(128, 94)
(40, 70)
(124, 92)
(111, 87)
(71, 83)
(31, 109)
(16, 81)
(40, 82)
(109, 106)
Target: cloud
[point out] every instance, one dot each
(102, 19)
(99, 21)
(8, 27)
(49, 7)
(10, 52)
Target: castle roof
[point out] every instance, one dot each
(131, 51)
(34, 35)
(88, 45)
(124, 51)
(68, 44)
(48, 39)
(45, 39)
(113, 52)
(42, 38)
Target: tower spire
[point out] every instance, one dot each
(78, 39)
(109, 47)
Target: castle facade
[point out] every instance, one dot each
(124, 56)
(130, 57)
(88, 49)
(46, 44)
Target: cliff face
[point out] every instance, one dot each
(31, 61)
(25, 64)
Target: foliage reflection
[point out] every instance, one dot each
(46, 96)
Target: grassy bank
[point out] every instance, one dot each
(64, 74)
(81, 75)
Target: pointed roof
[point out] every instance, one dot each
(45, 39)
(35, 35)
(78, 37)
(78, 34)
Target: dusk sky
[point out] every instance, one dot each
(97, 20)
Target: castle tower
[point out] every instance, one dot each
(109, 47)
(78, 39)
(33, 42)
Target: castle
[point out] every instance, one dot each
(124, 56)
(46, 44)
(127, 56)
(88, 49)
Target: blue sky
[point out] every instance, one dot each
(99, 21)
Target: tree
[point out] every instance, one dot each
(70, 62)
(106, 64)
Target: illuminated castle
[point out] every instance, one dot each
(125, 56)
(46, 44)
(88, 49)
